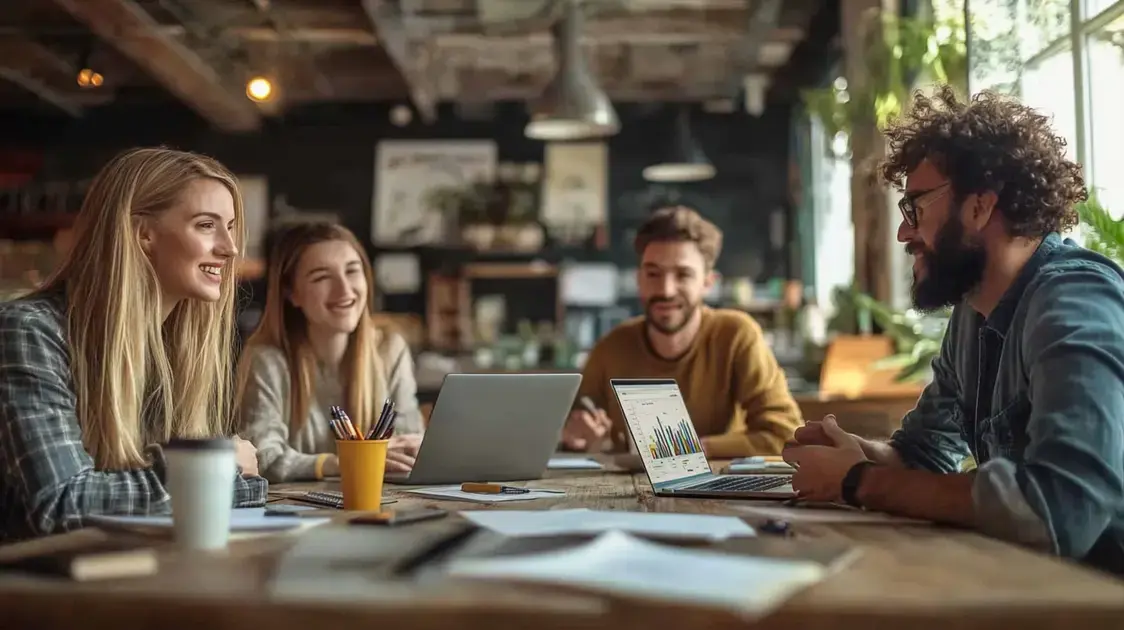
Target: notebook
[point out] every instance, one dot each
(102, 561)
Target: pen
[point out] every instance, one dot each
(335, 424)
(379, 430)
(587, 402)
(492, 488)
(389, 431)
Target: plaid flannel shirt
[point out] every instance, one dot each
(49, 481)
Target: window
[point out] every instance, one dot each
(993, 54)
(1043, 22)
(1047, 85)
(834, 240)
(1094, 8)
(1039, 66)
(1105, 54)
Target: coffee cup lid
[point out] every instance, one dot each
(200, 444)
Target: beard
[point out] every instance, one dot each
(953, 268)
(677, 320)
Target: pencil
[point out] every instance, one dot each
(334, 423)
(355, 435)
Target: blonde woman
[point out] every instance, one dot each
(125, 347)
(316, 347)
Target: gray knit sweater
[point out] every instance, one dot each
(284, 456)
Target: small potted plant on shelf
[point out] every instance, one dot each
(496, 215)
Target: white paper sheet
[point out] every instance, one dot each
(573, 463)
(585, 521)
(241, 520)
(823, 515)
(623, 565)
(455, 493)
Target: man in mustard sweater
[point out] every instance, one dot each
(735, 391)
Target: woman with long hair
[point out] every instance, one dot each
(315, 347)
(125, 347)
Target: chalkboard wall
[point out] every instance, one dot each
(322, 158)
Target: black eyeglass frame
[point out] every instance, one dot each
(909, 203)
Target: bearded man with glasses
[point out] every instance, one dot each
(1030, 376)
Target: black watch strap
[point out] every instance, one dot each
(851, 481)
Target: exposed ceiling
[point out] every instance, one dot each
(202, 52)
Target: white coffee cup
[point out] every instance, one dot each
(200, 478)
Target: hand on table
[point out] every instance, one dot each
(822, 456)
(585, 430)
(402, 452)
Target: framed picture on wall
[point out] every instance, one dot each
(408, 171)
(575, 189)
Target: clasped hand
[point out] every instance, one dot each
(822, 455)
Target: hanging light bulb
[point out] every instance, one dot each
(259, 89)
(89, 78)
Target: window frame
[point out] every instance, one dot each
(1080, 29)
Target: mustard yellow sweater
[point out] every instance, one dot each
(733, 387)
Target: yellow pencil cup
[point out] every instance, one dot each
(362, 465)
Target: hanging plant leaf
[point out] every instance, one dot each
(899, 53)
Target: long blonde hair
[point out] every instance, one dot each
(140, 379)
(285, 327)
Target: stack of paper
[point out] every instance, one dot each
(620, 564)
(455, 493)
(241, 520)
(573, 463)
(584, 521)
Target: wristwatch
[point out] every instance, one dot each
(851, 481)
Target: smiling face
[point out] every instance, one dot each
(672, 280)
(191, 244)
(948, 262)
(330, 287)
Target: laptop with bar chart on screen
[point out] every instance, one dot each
(672, 453)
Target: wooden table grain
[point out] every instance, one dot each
(913, 577)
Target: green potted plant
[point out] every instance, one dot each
(467, 208)
(1105, 235)
(917, 338)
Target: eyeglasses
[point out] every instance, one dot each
(910, 203)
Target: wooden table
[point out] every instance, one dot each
(914, 578)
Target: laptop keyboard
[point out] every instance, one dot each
(741, 483)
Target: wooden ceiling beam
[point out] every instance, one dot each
(128, 27)
(411, 59)
(38, 70)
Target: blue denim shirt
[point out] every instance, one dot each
(1035, 392)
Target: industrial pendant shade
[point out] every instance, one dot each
(683, 159)
(572, 107)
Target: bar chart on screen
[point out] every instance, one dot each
(670, 441)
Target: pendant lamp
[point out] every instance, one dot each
(682, 159)
(572, 107)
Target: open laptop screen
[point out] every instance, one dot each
(661, 428)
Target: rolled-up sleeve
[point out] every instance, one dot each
(1064, 492)
(930, 437)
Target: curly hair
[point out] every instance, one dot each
(992, 143)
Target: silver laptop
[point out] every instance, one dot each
(493, 427)
(672, 453)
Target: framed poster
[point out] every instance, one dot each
(575, 189)
(407, 171)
